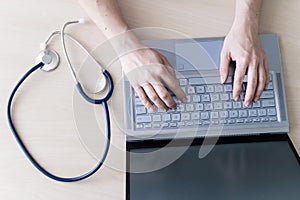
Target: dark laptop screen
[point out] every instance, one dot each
(257, 170)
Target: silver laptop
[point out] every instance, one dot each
(210, 110)
(211, 147)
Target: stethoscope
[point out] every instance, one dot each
(48, 60)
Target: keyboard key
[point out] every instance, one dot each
(210, 89)
(165, 124)
(214, 122)
(190, 123)
(256, 104)
(189, 107)
(196, 98)
(143, 119)
(198, 122)
(191, 90)
(264, 119)
(268, 103)
(215, 97)
(227, 105)
(239, 120)
(156, 118)
(181, 124)
(248, 120)
(140, 110)
(219, 88)
(218, 106)
(228, 88)
(198, 106)
(185, 116)
(208, 106)
(252, 113)
(257, 119)
(195, 115)
(182, 81)
(214, 115)
(180, 108)
(204, 81)
(166, 117)
(243, 113)
(200, 89)
(188, 98)
(271, 112)
(205, 98)
(206, 122)
(262, 112)
(224, 114)
(173, 124)
(204, 115)
(224, 97)
(233, 114)
(139, 126)
(267, 94)
(138, 102)
(270, 86)
(231, 121)
(273, 119)
(175, 117)
(223, 121)
(148, 125)
(236, 104)
(156, 125)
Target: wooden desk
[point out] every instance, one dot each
(53, 138)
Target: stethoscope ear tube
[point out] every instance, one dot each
(27, 153)
(98, 101)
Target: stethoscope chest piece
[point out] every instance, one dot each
(50, 59)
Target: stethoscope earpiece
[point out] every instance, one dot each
(50, 59)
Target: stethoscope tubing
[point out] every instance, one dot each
(26, 151)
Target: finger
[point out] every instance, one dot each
(168, 65)
(173, 84)
(142, 95)
(261, 82)
(224, 66)
(164, 95)
(252, 83)
(153, 96)
(267, 69)
(239, 74)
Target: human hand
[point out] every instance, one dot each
(150, 74)
(242, 45)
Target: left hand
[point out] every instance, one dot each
(242, 45)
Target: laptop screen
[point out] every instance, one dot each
(255, 170)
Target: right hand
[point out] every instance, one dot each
(150, 74)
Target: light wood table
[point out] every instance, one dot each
(44, 107)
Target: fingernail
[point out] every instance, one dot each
(151, 109)
(256, 99)
(222, 79)
(184, 100)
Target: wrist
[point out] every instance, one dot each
(125, 43)
(247, 15)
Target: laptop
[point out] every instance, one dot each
(211, 147)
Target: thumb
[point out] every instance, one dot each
(224, 65)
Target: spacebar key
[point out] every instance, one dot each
(203, 81)
(143, 119)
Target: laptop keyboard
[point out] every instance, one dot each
(208, 102)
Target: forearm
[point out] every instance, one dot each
(247, 14)
(106, 15)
